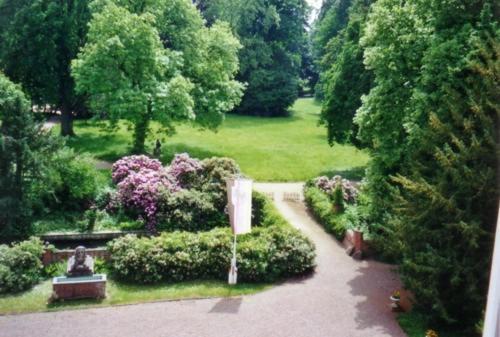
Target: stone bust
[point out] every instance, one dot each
(80, 264)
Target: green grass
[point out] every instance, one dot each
(36, 299)
(267, 149)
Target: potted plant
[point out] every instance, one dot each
(395, 299)
(431, 333)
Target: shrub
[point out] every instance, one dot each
(188, 210)
(20, 265)
(185, 170)
(139, 192)
(321, 206)
(349, 192)
(70, 183)
(214, 175)
(265, 255)
(133, 164)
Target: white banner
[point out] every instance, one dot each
(239, 196)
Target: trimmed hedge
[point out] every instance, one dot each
(321, 205)
(20, 265)
(270, 252)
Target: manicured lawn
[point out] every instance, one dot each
(119, 293)
(267, 149)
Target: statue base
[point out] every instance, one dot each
(68, 288)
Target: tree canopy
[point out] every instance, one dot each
(39, 39)
(273, 36)
(158, 62)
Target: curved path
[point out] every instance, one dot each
(344, 298)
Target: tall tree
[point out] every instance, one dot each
(346, 79)
(431, 122)
(273, 35)
(448, 203)
(38, 44)
(331, 20)
(157, 61)
(24, 147)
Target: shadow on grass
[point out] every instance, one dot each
(355, 173)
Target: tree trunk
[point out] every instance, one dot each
(66, 121)
(140, 131)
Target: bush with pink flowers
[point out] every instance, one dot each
(145, 189)
(127, 165)
(328, 186)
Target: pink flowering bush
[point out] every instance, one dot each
(140, 191)
(184, 169)
(127, 165)
(149, 192)
(349, 191)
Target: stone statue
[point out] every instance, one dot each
(80, 264)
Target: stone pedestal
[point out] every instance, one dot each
(65, 288)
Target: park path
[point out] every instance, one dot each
(344, 298)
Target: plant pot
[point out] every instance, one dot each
(395, 304)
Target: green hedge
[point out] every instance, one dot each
(272, 251)
(321, 205)
(20, 265)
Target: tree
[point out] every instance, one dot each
(448, 202)
(332, 19)
(273, 35)
(24, 148)
(346, 78)
(38, 44)
(431, 123)
(157, 61)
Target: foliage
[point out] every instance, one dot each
(331, 20)
(267, 254)
(431, 122)
(25, 149)
(137, 65)
(214, 174)
(273, 34)
(39, 40)
(345, 78)
(20, 265)
(321, 207)
(70, 182)
(185, 170)
(347, 191)
(122, 168)
(188, 210)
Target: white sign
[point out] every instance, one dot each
(239, 195)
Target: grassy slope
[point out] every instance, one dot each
(267, 149)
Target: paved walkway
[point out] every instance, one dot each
(344, 298)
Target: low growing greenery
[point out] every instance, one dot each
(20, 265)
(265, 255)
(321, 206)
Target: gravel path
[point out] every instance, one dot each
(344, 298)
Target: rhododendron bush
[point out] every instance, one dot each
(147, 190)
(327, 185)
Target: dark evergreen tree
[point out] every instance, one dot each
(346, 78)
(38, 43)
(24, 148)
(273, 35)
(448, 202)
